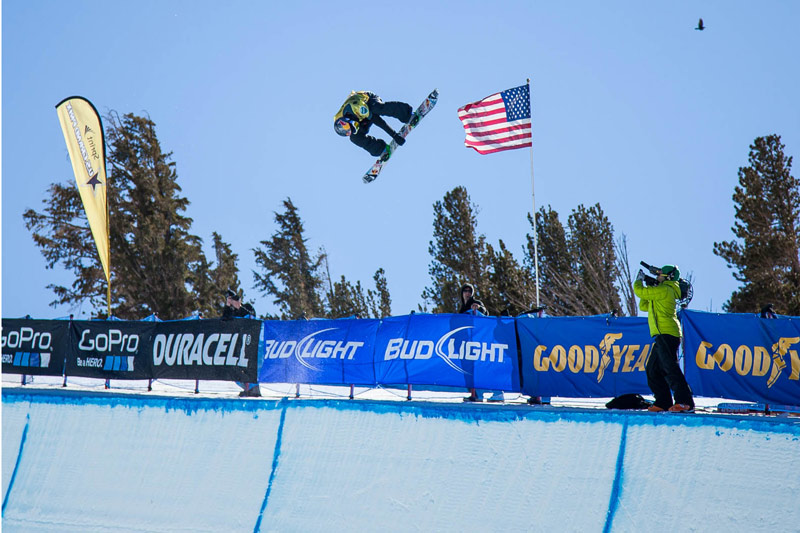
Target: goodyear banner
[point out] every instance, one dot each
(83, 133)
(584, 357)
(215, 349)
(332, 352)
(34, 347)
(448, 350)
(743, 356)
(113, 349)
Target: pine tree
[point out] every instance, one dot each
(556, 276)
(154, 257)
(347, 300)
(579, 271)
(764, 253)
(343, 299)
(213, 280)
(592, 249)
(459, 254)
(383, 304)
(511, 282)
(289, 273)
(624, 278)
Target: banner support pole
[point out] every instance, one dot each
(108, 231)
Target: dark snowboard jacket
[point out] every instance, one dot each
(367, 108)
(231, 312)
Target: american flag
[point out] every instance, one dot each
(499, 122)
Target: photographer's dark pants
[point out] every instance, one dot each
(664, 376)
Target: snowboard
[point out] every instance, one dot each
(423, 109)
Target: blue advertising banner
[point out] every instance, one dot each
(331, 352)
(743, 356)
(584, 357)
(448, 350)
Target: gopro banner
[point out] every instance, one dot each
(110, 349)
(584, 357)
(215, 349)
(448, 350)
(743, 356)
(330, 352)
(34, 347)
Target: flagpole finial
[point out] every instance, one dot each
(528, 81)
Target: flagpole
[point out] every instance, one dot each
(533, 197)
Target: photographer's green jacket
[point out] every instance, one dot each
(660, 303)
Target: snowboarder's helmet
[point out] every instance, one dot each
(345, 126)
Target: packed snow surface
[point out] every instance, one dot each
(83, 461)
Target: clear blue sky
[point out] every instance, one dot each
(632, 108)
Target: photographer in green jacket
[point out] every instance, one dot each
(664, 375)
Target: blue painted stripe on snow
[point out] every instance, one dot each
(455, 411)
(616, 487)
(276, 454)
(16, 465)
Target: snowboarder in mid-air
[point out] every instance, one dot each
(361, 110)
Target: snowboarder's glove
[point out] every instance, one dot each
(640, 275)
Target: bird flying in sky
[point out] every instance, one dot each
(700, 25)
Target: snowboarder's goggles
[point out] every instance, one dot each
(346, 127)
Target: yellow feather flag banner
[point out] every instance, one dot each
(83, 132)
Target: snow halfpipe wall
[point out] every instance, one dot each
(78, 461)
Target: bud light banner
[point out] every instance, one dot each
(743, 356)
(448, 350)
(331, 352)
(110, 349)
(225, 350)
(584, 357)
(34, 347)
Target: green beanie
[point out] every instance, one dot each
(672, 272)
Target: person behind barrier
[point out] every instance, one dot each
(234, 308)
(469, 304)
(475, 307)
(536, 312)
(664, 375)
(768, 312)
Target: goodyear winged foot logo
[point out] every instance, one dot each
(779, 351)
(756, 361)
(605, 347)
